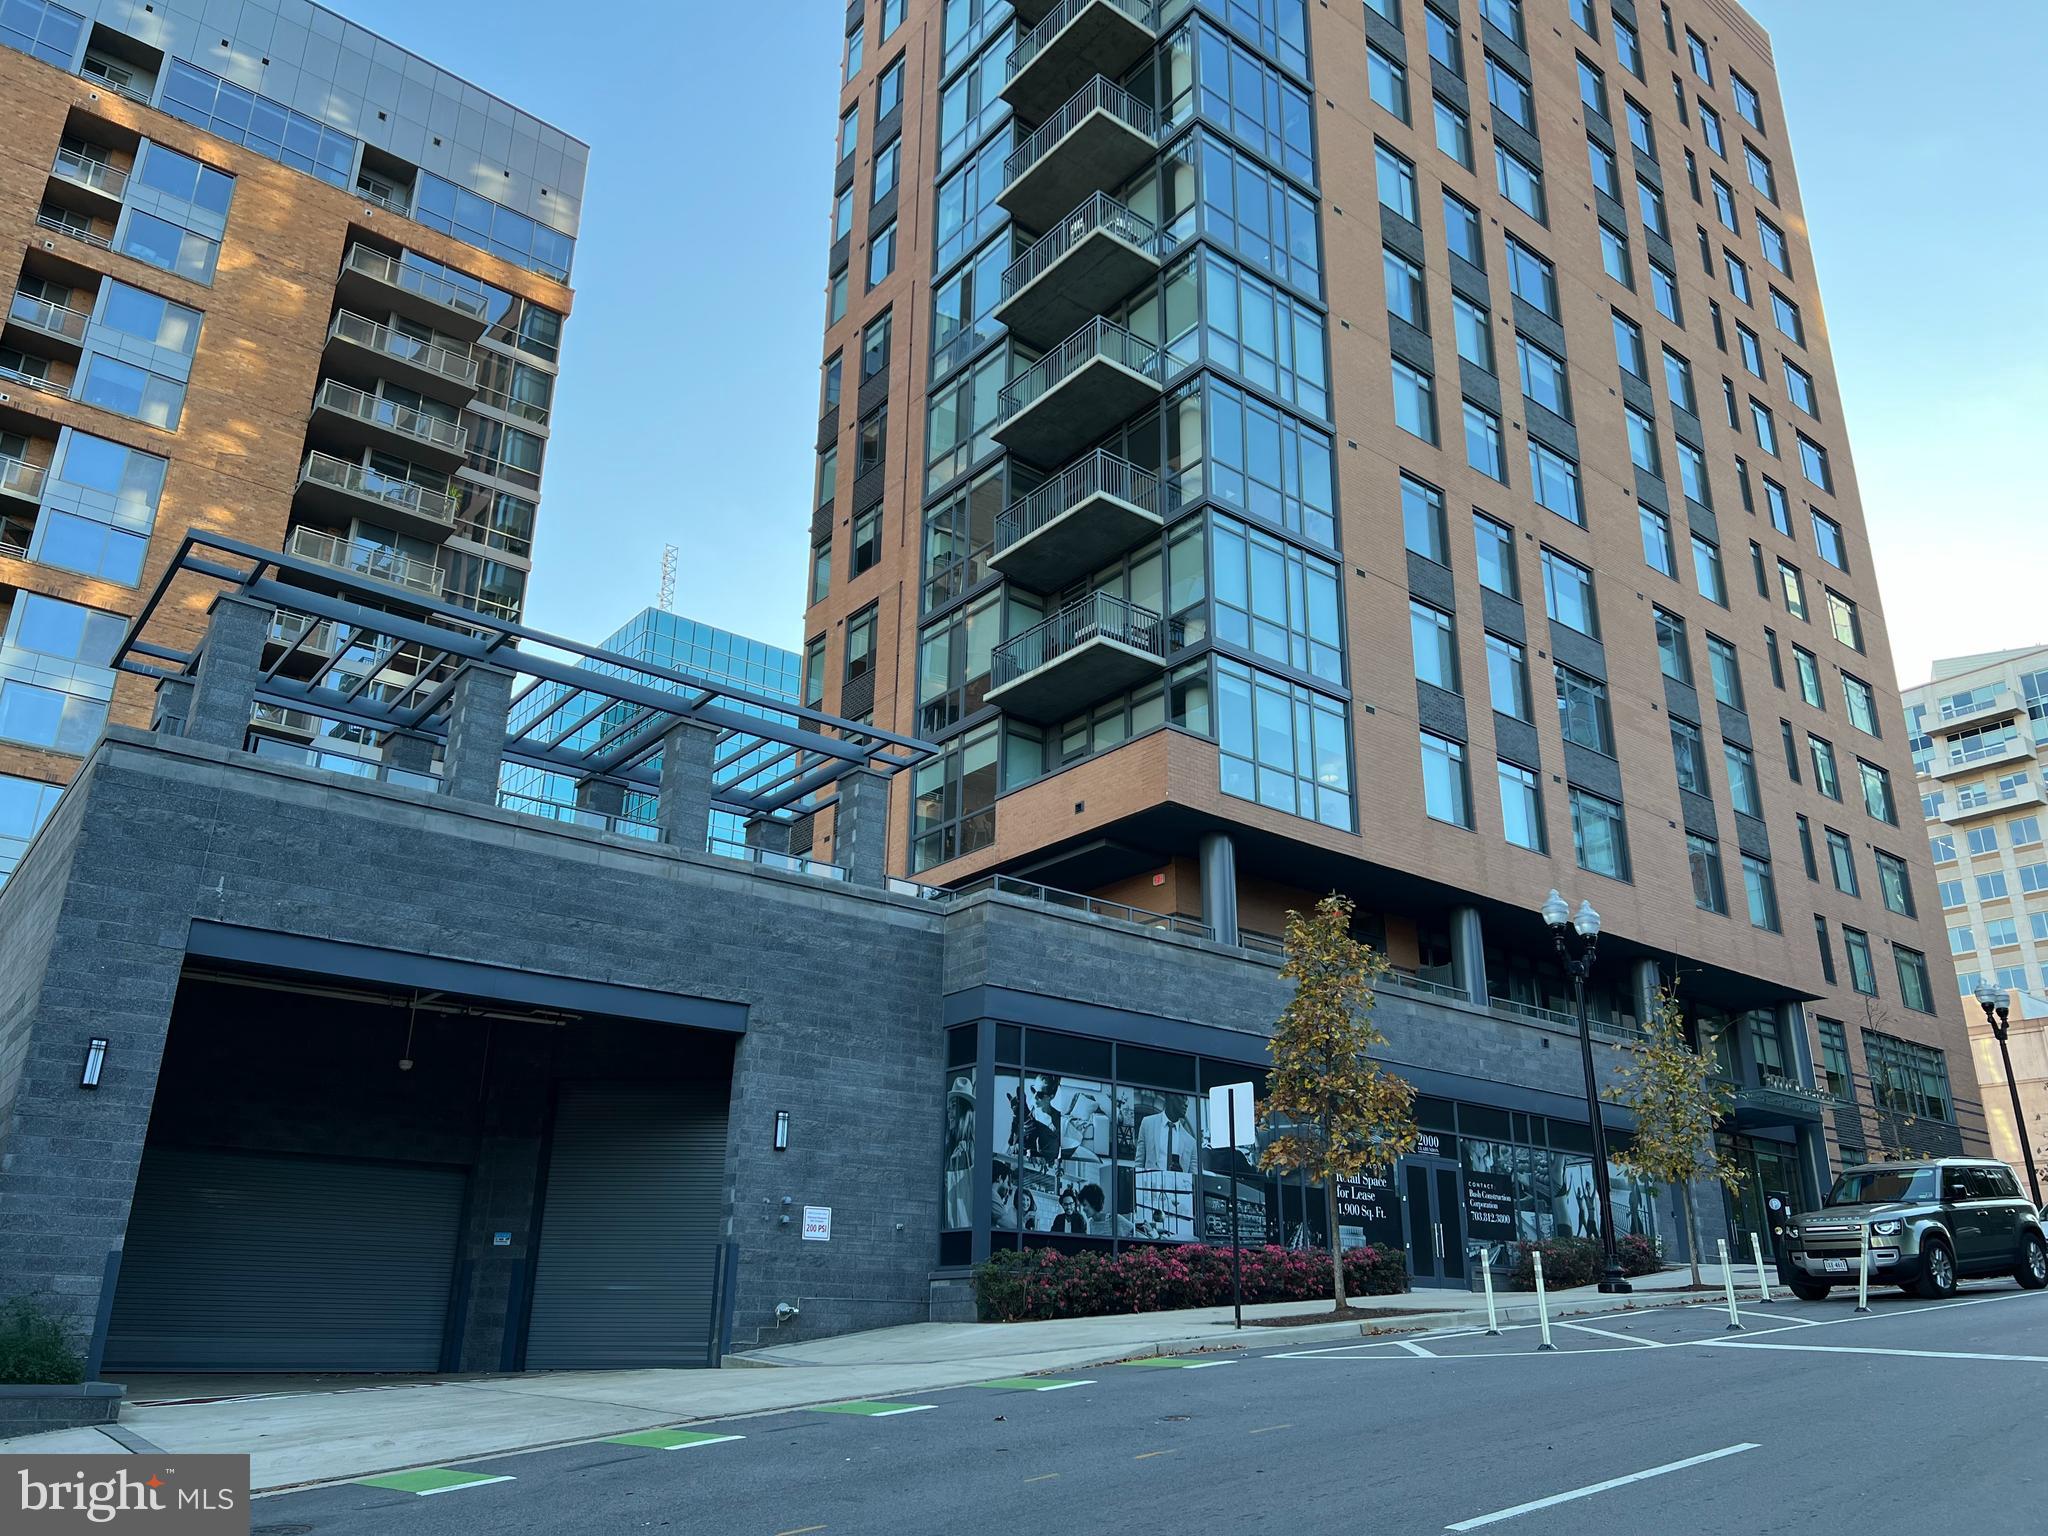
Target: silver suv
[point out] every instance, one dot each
(1931, 1224)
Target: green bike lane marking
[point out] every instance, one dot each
(427, 1480)
(1032, 1383)
(872, 1410)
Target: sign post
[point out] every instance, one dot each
(1232, 1124)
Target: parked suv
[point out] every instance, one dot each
(1931, 1224)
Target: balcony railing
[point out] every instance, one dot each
(1980, 701)
(371, 560)
(428, 285)
(92, 69)
(1057, 20)
(406, 420)
(47, 220)
(1094, 906)
(1098, 616)
(372, 485)
(314, 636)
(1101, 473)
(15, 537)
(20, 478)
(429, 355)
(88, 172)
(34, 380)
(1098, 339)
(1984, 751)
(1100, 212)
(1097, 95)
(51, 318)
(390, 203)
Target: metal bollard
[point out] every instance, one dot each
(1863, 1272)
(1728, 1284)
(1763, 1279)
(1486, 1276)
(1542, 1304)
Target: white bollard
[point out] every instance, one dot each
(1763, 1278)
(1486, 1276)
(1863, 1272)
(1728, 1284)
(1542, 1305)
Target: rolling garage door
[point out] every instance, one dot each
(629, 1229)
(246, 1261)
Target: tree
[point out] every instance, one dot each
(1337, 1113)
(1677, 1098)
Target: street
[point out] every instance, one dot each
(1920, 1416)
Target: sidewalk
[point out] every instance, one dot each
(301, 1430)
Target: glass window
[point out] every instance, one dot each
(1599, 839)
(1443, 41)
(1519, 182)
(1844, 622)
(1606, 174)
(1639, 131)
(1827, 538)
(1877, 792)
(1825, 778)
(1461, 231)
(1582, 710)
(1592, 87)
(1658, 553)
(1531, 278)
(1568, 594)
(1422, 521)
(1483, 442)
(1743, 791)
(1405, 295)
(1706, 571)
(1894, 883)
(1474, 332)
(1727, 670)
(1283, 603)
(1496, 546)
(1283, 745)
(1710, 129)
(1446, 794)
(1453, 132)
(1746, 101)
(856, 46)
(1760, 892)
(1554, 482)
(1521, 806)
(1396, 182)
(889, 88)
(1507, 675)
(1628, 346)
(1435, 642)
(1614, 258)
(1862, 972)
(1795, 589)
(1760, 174)
(1506, 15)
(1678, 382)
(1386, 82)
(1642, 442)
(1785, 315)
(1414, 401)
(160, 243)
(1772, 239)
(1626, 47)
(1674, 656)
(1689, 756)
(1543, 378)
(1703, 856)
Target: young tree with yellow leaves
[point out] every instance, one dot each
(1677, 1099)
(1338, 1112)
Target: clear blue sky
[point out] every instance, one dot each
(688, 411)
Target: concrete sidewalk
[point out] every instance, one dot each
(330, 1429)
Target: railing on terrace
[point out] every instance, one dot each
(34, 380)
(1100, 212)
(1413, 981)
(19, 477)
(375, 409)
(64, 226)
(391, 203)
(1100, 473)
(92, 70)
(47, 315)
(1055, 21)
(1983, 751)
(1961, 706)
(1097, 95)
(88, 172)
(1099, 338)
(361, 480)
(1095, 906)
(366, 559)
(288, 628)
(431, 355)
(1098, 616)
(431, 286)
(788, 863)
(15, 537)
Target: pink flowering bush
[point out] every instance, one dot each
(1015, 1285)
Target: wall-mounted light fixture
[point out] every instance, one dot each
(782, 1130)
(95, 1061)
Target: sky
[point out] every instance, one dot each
(688, 408)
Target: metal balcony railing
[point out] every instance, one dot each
(48, 386)
(95, 71)
(20, 478)
(48, 316)
(1094, 906)
(1098, 339)
(373, 485)
(48, 220)
(1101, 473)
(1098, 616)
(428, 285)
(1977, 702)
(88, 172)
(368, 559)
(1097, 95)
(288, 628)
(404, 419)
(1056, 20)
(430, 355)
(1101, 212)
(390, 203)
(15, 537)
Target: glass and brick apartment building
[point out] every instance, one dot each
(1388, 446)
(275, 277)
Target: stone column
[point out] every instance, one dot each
(684, 810)
(475, 750)
(603, 797)
(1468, 953)
(861, 827)
(768, 834)
(173, 706)
(1219, 885)
(413, 754)
(230, 662)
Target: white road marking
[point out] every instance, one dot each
(481, 1482)
(1061, 1386)
(1850, 1349)
(1592, 1488)
(1609, 1333)
(1415, 1349)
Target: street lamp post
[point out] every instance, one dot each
(1557, 912)
(1999, 1015)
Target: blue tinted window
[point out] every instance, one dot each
(47, 32)
(268, 127)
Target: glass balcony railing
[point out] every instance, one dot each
(19, 478)
(83, 170)
(47, 218)
(428, 285)
(459, 366)
(372, 560)
(51, 318)
(324, 469)
(375, 410)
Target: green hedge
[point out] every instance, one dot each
(1570, 1261)
(33, 1349)
(1015, 1285)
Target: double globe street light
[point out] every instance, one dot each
(1557, 912)
(1999, 1015)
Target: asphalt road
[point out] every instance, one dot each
(1922, 1417)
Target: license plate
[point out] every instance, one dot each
(1838, 1266)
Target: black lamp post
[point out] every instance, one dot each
(1999, 1015)
(1557, 912)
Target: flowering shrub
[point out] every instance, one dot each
(1638, 1254)
(1569, 1261)
(1014, 1285)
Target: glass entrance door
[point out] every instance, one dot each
(1433, 1215)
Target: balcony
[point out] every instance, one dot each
(338, 488)
(1087, 651)
(372, 280)
(1997, 804)
(1982, 755)
(1977, 708)
(362, 352)
(1093, 259)
(21, 480)
(355, 419)
(17, 535)
(371, 560)
(88, 183)
(1070, 397)
(1778, 1101)
(40, 322)
(1099, 139)
(68, 221)
(1072, 42)
(1086, 515)
(304, 636)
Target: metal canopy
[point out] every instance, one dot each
(397, 657)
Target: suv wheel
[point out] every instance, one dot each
(1938, 1270)
(2032, 1273)
(1808, 1290)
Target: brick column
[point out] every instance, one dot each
(684, 812)
(861, 829)
(475, 750)
(230, 662)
